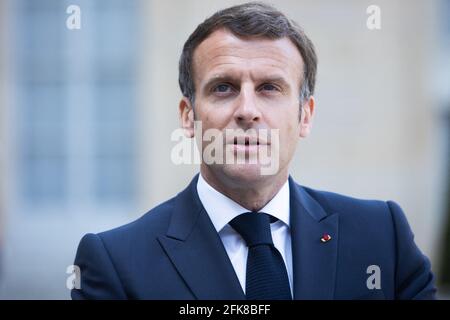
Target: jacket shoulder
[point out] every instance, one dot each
(152, 223)
(348, 206)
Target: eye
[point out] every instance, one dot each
(268, 87)
(222, 88)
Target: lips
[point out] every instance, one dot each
(248, 141)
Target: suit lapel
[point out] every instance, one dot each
(196, 250)
(314, 262)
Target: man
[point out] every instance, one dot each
(234, 232)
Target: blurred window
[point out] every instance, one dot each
(76, 102)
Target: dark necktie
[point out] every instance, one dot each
(267, 278)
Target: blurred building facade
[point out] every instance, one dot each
(86, 118)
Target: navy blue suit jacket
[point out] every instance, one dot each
(174, 252)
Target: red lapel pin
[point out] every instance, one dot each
(325, 238)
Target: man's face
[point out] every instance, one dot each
(248, 84)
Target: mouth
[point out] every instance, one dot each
(248, 141)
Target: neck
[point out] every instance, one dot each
(251, 195)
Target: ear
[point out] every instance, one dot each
(186, 117)
(307, 117)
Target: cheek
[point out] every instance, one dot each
(202, 115)
(292, 124)
(290, 137)
(290, 134)
(215, 118)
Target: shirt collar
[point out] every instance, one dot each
(222, 209)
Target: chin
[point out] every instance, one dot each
(244, 173)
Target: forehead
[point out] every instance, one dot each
(224, 52)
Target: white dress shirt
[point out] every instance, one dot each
(222, 210)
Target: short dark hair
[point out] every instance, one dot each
(253, 19)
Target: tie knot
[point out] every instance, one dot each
(254, 227)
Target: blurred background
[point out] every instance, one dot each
(86, 117)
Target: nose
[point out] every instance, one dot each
(247, 111)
